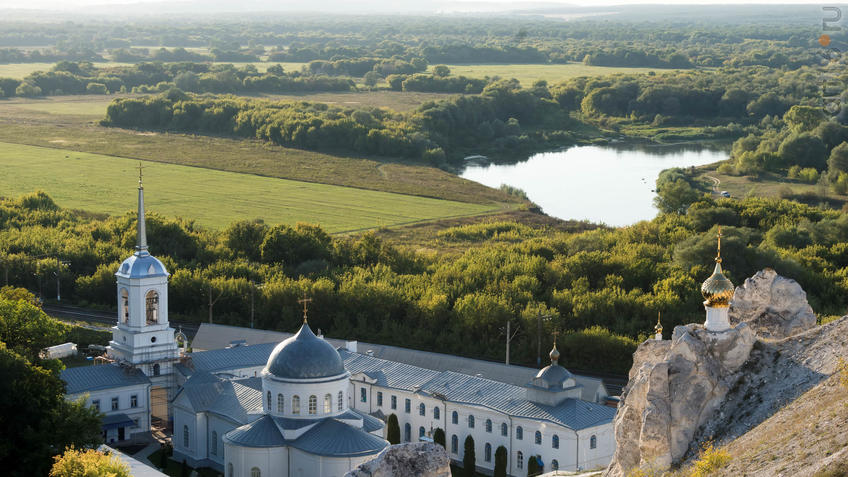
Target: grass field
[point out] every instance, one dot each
(21, 70)
(69, 122)
(528, 74)
(213, 198)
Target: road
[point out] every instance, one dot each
(716, 182)
(66, 313)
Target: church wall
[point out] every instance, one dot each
(308, 465)
(271, 461)
(304, 391)
(602, 454)
(195, 451)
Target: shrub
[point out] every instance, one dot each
(96, 88)
(77, 463)
(393, 430)
(709, 460)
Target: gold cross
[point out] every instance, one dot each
(556, 332)
(718, 257)
(305, 302)
(140, 167)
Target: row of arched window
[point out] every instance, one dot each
(312, 403)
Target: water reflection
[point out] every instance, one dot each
(612, 184)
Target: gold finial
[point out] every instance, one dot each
(718, 256)
(140, 168)
(554, 352)
(305, 302)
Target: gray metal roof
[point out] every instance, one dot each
(305, 356)
(333, 438)
(212, 336)
(93, 378)
(369, 422)
(137, 468)
(553, 376)
(262, 432)
(236, 399)
(232, 358)
(462, 388)
(142, 265)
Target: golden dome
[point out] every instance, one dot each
(717, 290)
(554, 355)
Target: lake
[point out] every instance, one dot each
(605, 184)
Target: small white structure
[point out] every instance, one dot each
(60, 351)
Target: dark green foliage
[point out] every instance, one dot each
(393, 430)
(500, 462)
(184, 470)
(439, 436)
(469, 460)
(533, 467)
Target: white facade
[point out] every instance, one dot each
(575, 450)
(133, 401)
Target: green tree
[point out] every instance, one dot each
(439, 436)
(27, 90)
(96, 88)
(393, 430)
(441, 71)
(804, 149)
(88, 463)
(371, 78)
(803, 118)
(469, 460)
(500, 462)
(27, 328)
(838, 160)
(533, 467)
(245, 237)
(36, 418)
(674, 192)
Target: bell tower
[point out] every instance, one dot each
(143, 338)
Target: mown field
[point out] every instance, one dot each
(70, 122)
(105, 184)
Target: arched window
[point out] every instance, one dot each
(407, 432)
(156, 369)
(328, 404)
(519, 433)
(313, 404)
(152, 307)
(230, 472)
(519, 460)
(213, 446)
(269, 400)
(504, 429)
(295, 404)
(487, 454)
(125, 305)
(471, 421)
(422, 410)
(421, 432)
(185, 436)
(340, 404)
(538, 437)
(455, 417)
(555, 441)
(454, 444)
(554, 465)
(281, 403)
(254, 472)
(593, 442)
(436, 412)
(488, 425)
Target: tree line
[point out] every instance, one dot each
(602, 288)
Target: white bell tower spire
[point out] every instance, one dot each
(143, 338)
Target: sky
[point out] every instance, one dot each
(66, 4)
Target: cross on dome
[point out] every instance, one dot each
(305, 302)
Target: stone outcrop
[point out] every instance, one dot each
(774, 306)
(419, 459)
(674, 387)
(680, 390)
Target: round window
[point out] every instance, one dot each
(153, 339)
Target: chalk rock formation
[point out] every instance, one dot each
(419, 459)
(774, 306)
(674, 388)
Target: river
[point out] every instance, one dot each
(604, 184)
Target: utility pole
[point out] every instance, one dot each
(58, 273)
(213, 301)
(509, 337)
(539, 337)
(253, 287)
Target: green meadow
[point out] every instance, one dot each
(106, 184)
(530, 73)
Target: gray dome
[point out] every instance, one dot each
(142, 265)
(305, 356)
(553, 376)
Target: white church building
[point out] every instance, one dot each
(301, 406)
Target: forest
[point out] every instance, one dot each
(602, 287)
